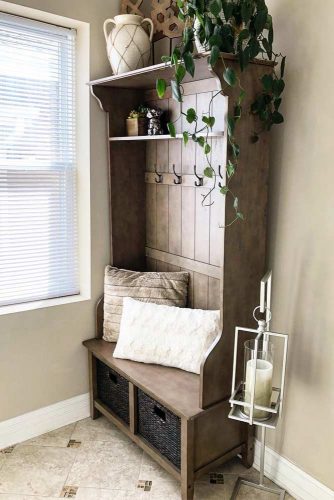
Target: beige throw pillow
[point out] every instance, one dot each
(161, 288)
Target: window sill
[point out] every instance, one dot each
(42, 304)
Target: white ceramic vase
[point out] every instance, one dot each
(128, 44)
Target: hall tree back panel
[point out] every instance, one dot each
(164, 227)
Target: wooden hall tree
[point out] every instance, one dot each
(163, 226)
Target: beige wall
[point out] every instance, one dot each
(41, 357)
(301, 238)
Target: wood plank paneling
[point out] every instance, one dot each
(190, 288)
(151, 215)
(174, 214)
(188, 222)
(214, 295)
(151, 155)
(188, 151)
(175, 153)
(151, 264)
(162, 267)
(162, 156)
(191, 264)
(202, 227)
(173, 269)
(175, 115)
(162, 218)
(202, 108)
(220, 107)
(201, 291)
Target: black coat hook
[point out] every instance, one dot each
(178, 179)
(159, 177)
(220, 175)
(200, 179)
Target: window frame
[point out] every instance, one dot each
(82, 67)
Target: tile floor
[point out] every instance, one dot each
(92, 460)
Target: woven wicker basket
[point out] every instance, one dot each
(160, 427)
(113, 390)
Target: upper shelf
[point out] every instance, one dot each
(157, 137)
(145, 78)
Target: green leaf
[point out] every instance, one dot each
(246, 12)
(235, 149)
(230, 125)
(176, 55)
(230, 169)
(241, 97)
(267, 82)
(191, 115)
(176, 91)
(230, 76)
(171, 129)
(277, 118)
(166, 59)
(180, 73)
(278, 87)
(215, 7)
(236, 203)
(207, 149)
(253, 48)
(201, 141)
(208, 172)
(161, 87)
(228, 10)
(244, 34)
(271, 35)
(209, 121)
(283, 66)
(185, 138)
(224, 190)
(214, 56)
(268, 48)
(240, 215)
(189, 63)
(260, 21)
(277, 103)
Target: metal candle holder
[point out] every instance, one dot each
(239, 404)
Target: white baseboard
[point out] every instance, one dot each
(49, 418)
(287, 475)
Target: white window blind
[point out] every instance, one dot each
(38, 219)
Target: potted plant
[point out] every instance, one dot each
(136, 122)
(243, 28)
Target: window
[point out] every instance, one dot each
(38, 192)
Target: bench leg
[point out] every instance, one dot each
(94, 413)
(187, 459)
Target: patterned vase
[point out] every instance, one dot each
(128, 44)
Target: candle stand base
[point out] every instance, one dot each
(246, 482)
(260, 485)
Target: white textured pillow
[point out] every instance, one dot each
(166, 335)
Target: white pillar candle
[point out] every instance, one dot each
(263, 385)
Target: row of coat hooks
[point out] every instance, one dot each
(178, 177)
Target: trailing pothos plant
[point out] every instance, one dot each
(243, 28)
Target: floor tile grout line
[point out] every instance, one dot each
(69, 470)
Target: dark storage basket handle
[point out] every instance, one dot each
(113, 377)
(159, 413)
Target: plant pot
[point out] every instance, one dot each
(136, 126)
(128, 44)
